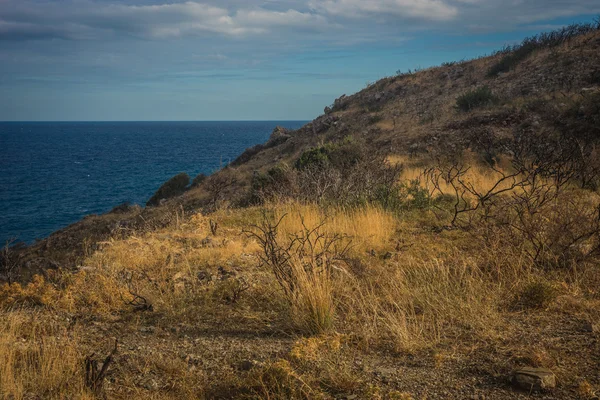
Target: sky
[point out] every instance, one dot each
(95, 60)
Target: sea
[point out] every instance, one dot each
(54, 173)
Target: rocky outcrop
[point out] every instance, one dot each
(534, 379)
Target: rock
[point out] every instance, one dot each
(147, 329)
(278, 132)
(151, 385)
(591, 327)
(534, 379)
(340, 102)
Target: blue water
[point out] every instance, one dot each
(54, 173)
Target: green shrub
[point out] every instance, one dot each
(373, 119)
(198, 180)
(418, 196)
(315, 157)
(270, 185)
(339, 155)
(345, 173)
(479, 97)
(171, 188)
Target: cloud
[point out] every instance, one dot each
(435, 10)
(10, 30)
(84, 19)
(350, 20)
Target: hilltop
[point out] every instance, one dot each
(425, 237)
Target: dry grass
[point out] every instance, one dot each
(312, 304)
(39, 357)
(400, 289)
(368, 228)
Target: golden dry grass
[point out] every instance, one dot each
(39, 357)
(369, 227)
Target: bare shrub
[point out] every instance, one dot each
(217, 185)
(535, 204)
(10, 260)
(94, 376)
(302, 266)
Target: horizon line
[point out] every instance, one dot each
(165, 120)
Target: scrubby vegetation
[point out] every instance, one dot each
(395, 260)
(513, 55)
(171, 188)
(479, 97)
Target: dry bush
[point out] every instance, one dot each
(38, 292)
(342, 174)
(316, 368)
(10, 259)
(39, 356)
(533, 203)
(217, 185)
(302, 265)
(329, 359)
(276, 380)
(154, 272)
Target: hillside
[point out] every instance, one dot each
(424, 238)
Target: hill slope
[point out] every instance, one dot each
(403, 115)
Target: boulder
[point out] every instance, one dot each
(534, 379)
(278, 132)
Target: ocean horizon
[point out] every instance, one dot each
(53, 173)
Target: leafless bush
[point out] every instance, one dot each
(10, 260)
(136, 300)
(535, 203)
(94, 377)
(311, 247)
(216, 186)
(369, 179)
(214, 226)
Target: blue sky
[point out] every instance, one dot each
(238, 60)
